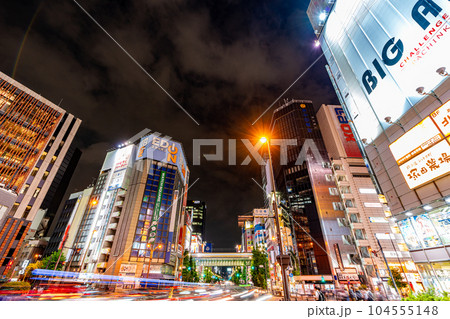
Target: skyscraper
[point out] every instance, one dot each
(198, 211)
(135, 212)
(35, 136)
(304, 179)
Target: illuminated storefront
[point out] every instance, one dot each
(427, 235)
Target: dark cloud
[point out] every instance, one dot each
(224, 61)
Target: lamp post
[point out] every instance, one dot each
(282, 257)
(399, 261)
(389, 269)
(152, 249)
(376, 271)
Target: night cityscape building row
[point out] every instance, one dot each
(364, 187)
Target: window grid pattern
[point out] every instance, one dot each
(139, 247)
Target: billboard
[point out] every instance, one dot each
(122, 160)
(163, 150)
(345, 132)
(441, 221)
(423, 153)
(379, 52)
(409, 235)
(426, 232)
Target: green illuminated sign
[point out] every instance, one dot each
(156, 211)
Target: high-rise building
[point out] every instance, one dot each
(68, 223)
(366, 212)
(197, 209)
(304, 180)
(387, 61)
(35, 137)
(59, 186)
(135, 213)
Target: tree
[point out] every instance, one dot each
(209, 276)
(50, 262)
(259, 268)
(294, 263)
(30, 268)
(237, 276)
(398, 279)
(189, 272)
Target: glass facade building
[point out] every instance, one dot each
(197, 209)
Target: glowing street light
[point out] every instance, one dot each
(263, 139)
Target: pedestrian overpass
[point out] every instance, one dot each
(222, 259)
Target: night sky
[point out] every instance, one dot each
(225, 62)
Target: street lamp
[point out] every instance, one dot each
(152, 249)
(442, 71)
(376, 270)
(282, 257)
(421, 91)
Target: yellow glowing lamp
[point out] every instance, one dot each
(263, 139)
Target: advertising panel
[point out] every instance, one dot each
(187, 239)
(378, 220)
(128, 268)
(415, 141)
(261, 213)
(380, 52)
(426, 232)
(122, 160)
(163, 150)
(441, 118)
(441, 221)
(345, 132)
(346, 275)
(422, 153)
(428, 165)
(337, 251)
(173, 217)
(409, 235)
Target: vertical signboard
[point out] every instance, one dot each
(173, 216)
(337, 251)
(156, 211)
(345, 132)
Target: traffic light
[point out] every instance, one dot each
(323, 280)
(237, 275)
(189, 268)
(253, 267)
